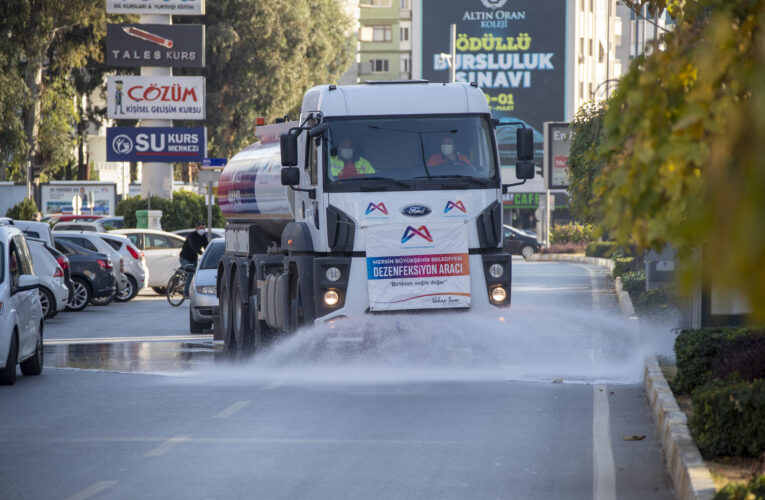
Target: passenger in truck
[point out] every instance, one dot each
(346, 162)
(447, 154)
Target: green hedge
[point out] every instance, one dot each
(22, 210)
(754, 490)
(633, 282)
(182, 212)
(571, 233)
(601, 249)
(697, 353)
(729, 417)
(625, 264)
(655, 301)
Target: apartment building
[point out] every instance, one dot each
(385, 40)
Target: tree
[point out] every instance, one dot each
(682, 145)
(584, 165)
(262, 57)
(13, 97)
(51, 37)
(23, 210)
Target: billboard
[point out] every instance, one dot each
(173, 7)
(156, 97)
(73, 197)
(557, 148)
(156, 144)
(514, 50)
(174, 45)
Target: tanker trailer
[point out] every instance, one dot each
(382, 198)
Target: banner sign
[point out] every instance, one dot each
(419, 266)
(156, 144)
(156, 97)
(515, 52)
(72, 197)
(174, 7)
(557, 149)
(174, 45)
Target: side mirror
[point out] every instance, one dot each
(289, 146)
(524, 170)
(318, 129)
(525, 145)
(27, 282)
(290, 176)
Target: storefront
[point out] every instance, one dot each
(520, 210)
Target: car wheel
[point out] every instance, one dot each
(34, 365)
(48, 302)
(8, 374)
(160, 290)
(102, 301)
(81, 295)
(195, 326)
(527, 251)
(130, 291)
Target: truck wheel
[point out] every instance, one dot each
(229, 342)
(240, 320)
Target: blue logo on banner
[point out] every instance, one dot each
(156, 144)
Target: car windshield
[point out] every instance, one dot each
(410, 152)
(212, 256)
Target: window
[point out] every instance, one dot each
(379, 65)
(81, 242)
(405, 4)
(382, 33)
(135, 239)
(590, 51)
(113, 243)
(581, 90)
(154, 241)
(176, 242)
(405, 64)
(404, 34)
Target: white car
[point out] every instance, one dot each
(93, 242)
(162, 251)
(135, 265)
(21, 318)
(53, 291)
(203, 298)
(33, 229)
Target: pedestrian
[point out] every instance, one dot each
(37, 216)
(192, 247)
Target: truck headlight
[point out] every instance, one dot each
(333, 274)
(496, 271)
(331, 298)
(498, 294)
(206, 290)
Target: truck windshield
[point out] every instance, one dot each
(410, 152)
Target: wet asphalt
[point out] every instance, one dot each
(534, 402)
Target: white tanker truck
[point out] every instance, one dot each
(384, 197)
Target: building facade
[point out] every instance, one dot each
(385, 39)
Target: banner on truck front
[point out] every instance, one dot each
(418, 266)
(156, 97)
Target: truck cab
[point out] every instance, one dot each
(388, 200)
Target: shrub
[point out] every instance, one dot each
(22, 210)
(564, 248)
(697, 352)
(728, 417)
(744, 356)
(633, 282)
(571, 233)
(755, 490)
(182, 212)
(656, 300)
(601, 249)
(625, 264)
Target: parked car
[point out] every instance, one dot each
(62, 261)
(77, 226)
(76, 218)
(161, 249)
(203, 299)
(518, 242)
(54, 294)
(32, 229)
(135, 265)
(21, 317)
(216, 232)
(92, 275)
(111, 223)
(93, 242)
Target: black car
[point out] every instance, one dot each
(91, 272)
(519, 242)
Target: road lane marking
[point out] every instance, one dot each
(113, 340)
(232, 409)
(272, 385)
(603, 477)
(92, 490)
(167, 446)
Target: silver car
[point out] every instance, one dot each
(53, 291)
(203, 301)
(93, 242)
(135, 265)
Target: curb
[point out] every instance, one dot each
(690, 475)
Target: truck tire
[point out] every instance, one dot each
(229, 342)
(240, 320)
